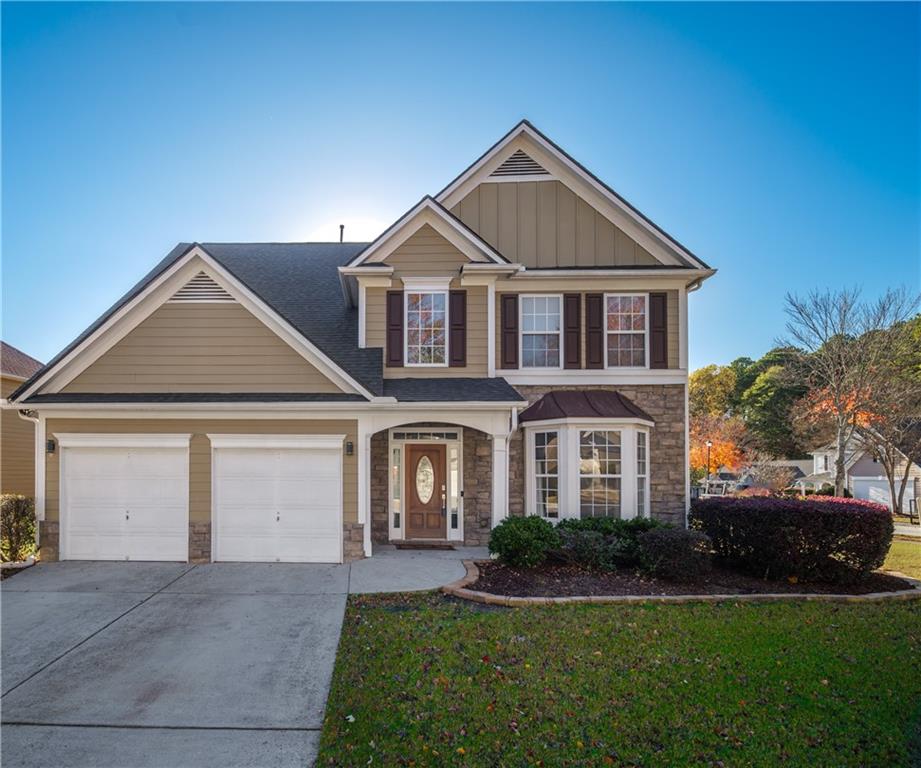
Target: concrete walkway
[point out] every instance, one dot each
(144, 665)
(904, 529)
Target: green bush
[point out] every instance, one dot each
(618, 548)
(523, 542)
(17, 527)
(675, 553)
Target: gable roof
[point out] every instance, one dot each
(298, 281)
(16, 364)
(427, 210)
(526, 128)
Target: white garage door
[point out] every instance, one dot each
(277, 498)
(874, 489)
(124, 497)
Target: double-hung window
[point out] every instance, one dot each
(547, 474)
(642, 473)
(540, 331)
(426, 324)
(627, 330)
(599, 473)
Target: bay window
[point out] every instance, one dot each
(540, 331)
(627, 330)
(587, 470)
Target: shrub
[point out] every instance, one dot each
(523, 542)
(591, 549)
(809, 539)
(675, 553)
(17, 527)
(619, 548)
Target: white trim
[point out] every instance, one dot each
(524, 137)
(154, 295)
(490, 329)
(520, 177)
(590, 421)
(682, 328)
(428, 211)
(687, 275)
(40, 471)
(499, 478)
(589, 377)
(419, 291)
(321, 442)
(426, 284)
(122, 440)
(362, 314)
(687, 455)
(521, 332)
(607, 332)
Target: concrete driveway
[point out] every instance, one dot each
(160, 664)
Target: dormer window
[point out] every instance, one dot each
(426, 324)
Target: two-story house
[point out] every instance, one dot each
(516, 344)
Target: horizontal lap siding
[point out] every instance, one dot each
(17, 449)
(426, 254)
(200, 452)
(672, 320)
(201, 348)
(545, 224)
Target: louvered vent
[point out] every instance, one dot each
(201, 288)
(519, 164)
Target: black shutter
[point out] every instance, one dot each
(658, 330)
(394, 329)
(594, 330)
(509, 333)
(572, 330)
(457, 338)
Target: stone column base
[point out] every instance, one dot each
(199, 542)
(49, 541)
(353, 542)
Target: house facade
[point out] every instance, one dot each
(516, 344)
(17, 434)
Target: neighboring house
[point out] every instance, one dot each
(516, 344)
(17, 434)
(794, 469)
(865, 475)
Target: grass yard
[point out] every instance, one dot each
(905, 556)
(426, 681)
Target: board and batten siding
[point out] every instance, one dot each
(187, 347)
(672, 321)
(200, 452)
(17, 448)
(545, 224)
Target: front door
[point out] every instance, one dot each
(425, 484)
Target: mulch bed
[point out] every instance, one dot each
(569, 581)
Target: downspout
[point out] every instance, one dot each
(24, 415)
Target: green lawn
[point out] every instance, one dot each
(422, 680)
(905, 556)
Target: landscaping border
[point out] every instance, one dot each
(459, 589)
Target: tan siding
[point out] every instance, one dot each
(673, 325)
(17, 448)
(477, 351)
(201, 348)
(200, 452)
(545, 224)
(426, 254)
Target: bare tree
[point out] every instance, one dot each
(846, 353)
(767, 472)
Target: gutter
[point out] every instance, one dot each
(25, 416)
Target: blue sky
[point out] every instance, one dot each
(780, 142)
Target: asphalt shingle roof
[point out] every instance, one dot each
(15, 362)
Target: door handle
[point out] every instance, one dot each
(444, 502)
(127, 514)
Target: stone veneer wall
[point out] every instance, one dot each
(477, 458)
(49, 533)
(353, 547)
(199, 542)
(668, 454)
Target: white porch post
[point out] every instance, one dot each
(499, 478)
(364, 483)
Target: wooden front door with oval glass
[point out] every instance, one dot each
(426, 513)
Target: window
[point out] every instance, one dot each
(547, 474)
(599, 473)
(540, 331)
(426, 321)
(626, 331)
(396, 483)
(642, 474)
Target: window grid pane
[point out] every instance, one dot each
(546, 473)
(641, 472)
(599, 473)
(540, 331)
(425, 328)
(626, 325)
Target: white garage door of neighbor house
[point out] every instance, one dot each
(874, 489)
(277, 498)
(124, 497)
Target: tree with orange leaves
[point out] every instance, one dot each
(727, 435)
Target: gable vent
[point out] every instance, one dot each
(202, 288)
(519, 164)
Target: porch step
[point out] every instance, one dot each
(423, 544)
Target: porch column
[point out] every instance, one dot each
(499, 478)
(364, 484)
